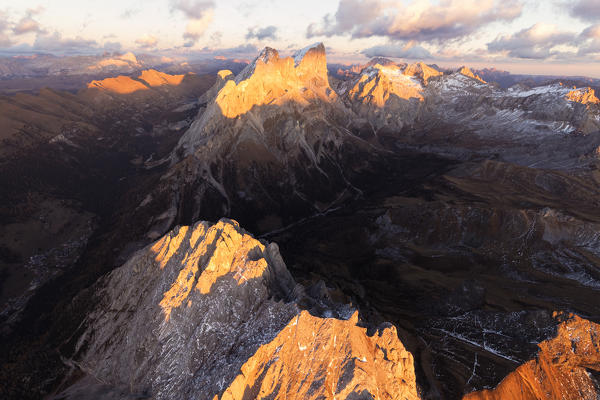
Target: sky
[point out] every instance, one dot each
(522, 36)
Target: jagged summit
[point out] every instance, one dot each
(269, 80)
(385, 97)
(466, 71)
(210, 312)
(422, 71)
(381, 61)
(566, 367)
(149, 78)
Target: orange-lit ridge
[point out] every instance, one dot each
(560, 370)
(274, 80)
(126, 85)
(223, 248)
(325, 358)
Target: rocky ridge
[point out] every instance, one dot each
(566, 367)
(186, 314)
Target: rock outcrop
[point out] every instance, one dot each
(181, 316)
(422, 71)
(385, 97)
(156, 78)
(268, 146)
(120, 85)
(466, 71)
(149, 78)
(184, 315)
(567, 367)
(316, 358)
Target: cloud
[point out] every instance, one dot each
(4, 23)
(403, 50)
(196, 27)
(591, 32)
(199, 14)
(587, 10)
(215, 38)
(147, 42)
(535, 42)
(268, 32)
(112, 46)
(421, 20)
(590, 41)
(243, 50)
(193, 9)
(54, 42)
(28, 24)
(129, 13)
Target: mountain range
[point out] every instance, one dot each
(416, 233)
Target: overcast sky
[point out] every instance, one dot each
(551, 36)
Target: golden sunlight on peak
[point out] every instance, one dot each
(224, 73)
(120, 84)
(560, 370)
(275, 80)
(157, 78)
(583, 96)
(337, 353)
(205, 254)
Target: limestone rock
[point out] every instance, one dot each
(182, 315)
(185, 315)
(386, 97)
(317, 358)
(566, 368)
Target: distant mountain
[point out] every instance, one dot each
(416, 230)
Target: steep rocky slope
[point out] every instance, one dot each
(461, 213)
(68, 161)
(272, 146)
(566, 367)
(184, 315)
(316, 358)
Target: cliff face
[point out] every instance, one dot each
(566, 367)
(268, 147)
(316, 358)
(385, 97)
(210, 311)
(180, 317)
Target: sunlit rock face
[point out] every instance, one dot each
(385, 97)
(125, 85)
(181, 316)
(317, 358)
(121, 85)
(583, 96)
(268, 147)
(566, 368)
(210, 312)
(269, 88)
(466, 71)
(422, 71)
(157, 78)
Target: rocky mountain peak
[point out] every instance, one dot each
(311, 64)
(422, 71)
(286, 82)
(379, 60)
(182, 315)
(157, 78)
(466, 71)
(583, 96)
(304, 362)
(209, 312)
(565, 367)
